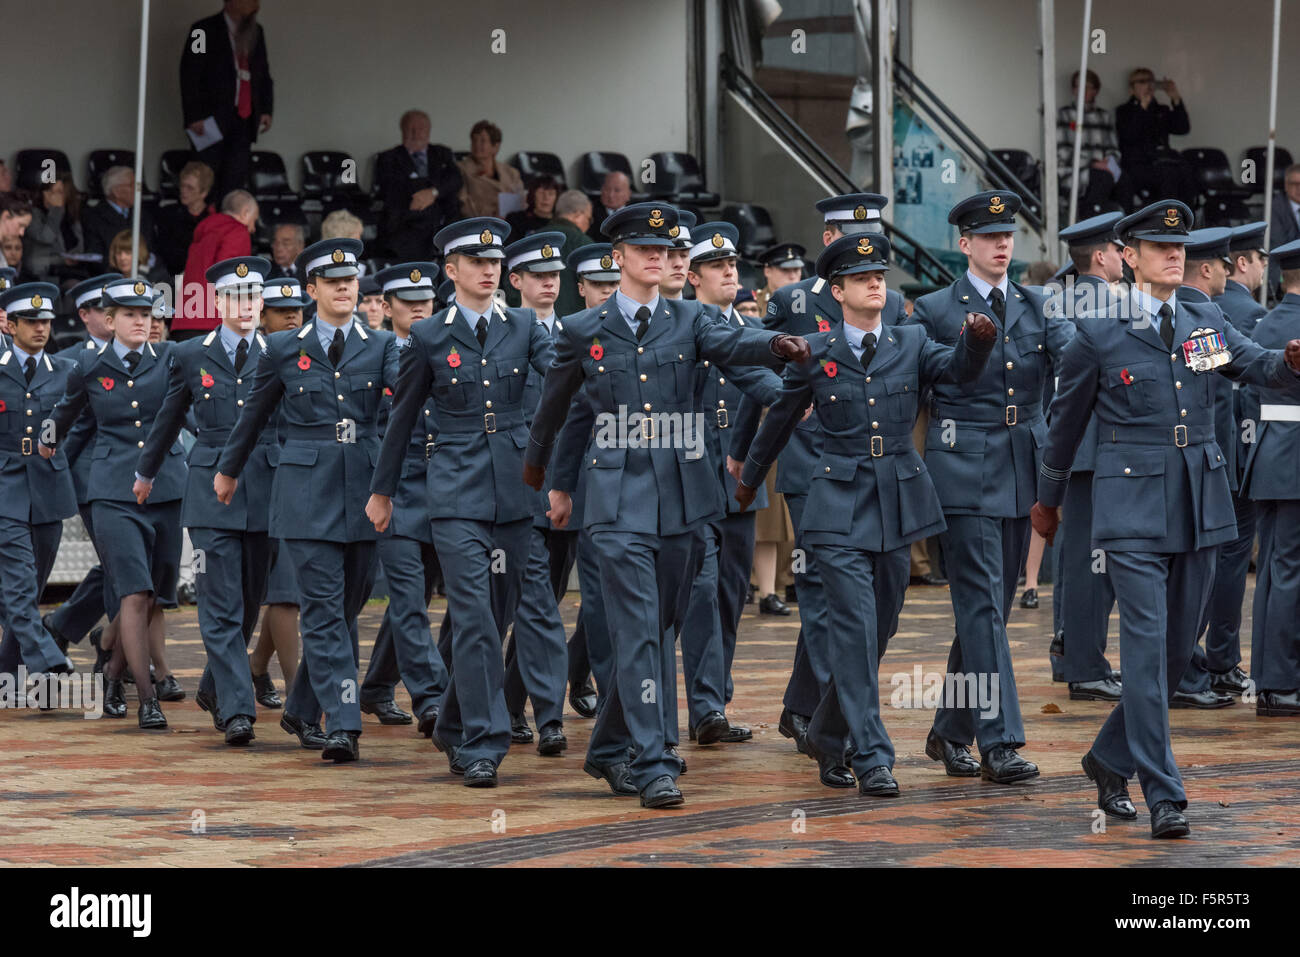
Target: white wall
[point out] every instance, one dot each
(575, 76)
(981, 57)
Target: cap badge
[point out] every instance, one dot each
(337, 256)
(1171, 217)
(286, 291)
(485, 237)
(138, 288)
(717, 240)
(241, 270)
(415, 275)
(37, 301)
(606, 262)
(789, 254)
(996, 205)
(860, 212)
(674, 231)
(656, 218)
(865, 248)
(547, 251)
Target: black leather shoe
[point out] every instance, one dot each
(1112, 790)
(387, 712)
(1234, 681)
(795, 727)
(453, 762)
(711, 728)
(114, 698)
(1278, 704)
(481, 774)
(309, 734)
(150, 715)
(835, 774)
(208, 702)
(239, 730)
(169, 689)
(520, 733)
(1207, 700)
(55, 634)
(1003, 766)
(618, 776)
(661, 792)
(928, 579)
(735, 734)
(427, 721)
(956, 758)
(264, 691)
(1168, 821)
(583, 700)
(551, 740)
(1029, 599)
(773, 605)
(672, 754)
(341, 747)
(1103, 689)
(1056, 655)
(878, 782)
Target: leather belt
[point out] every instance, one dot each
(337, 432)
(1179, 435)
(877, 445)
(1008, 415)
(488, 422)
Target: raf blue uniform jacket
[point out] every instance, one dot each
(800, 309)
(869, 489)
(1273, 470)
(216, 406)
(654, 490)
(1161, 480)
(321, 483)
(475, 470)
(123, 406)
(32, 489)
(985, 439)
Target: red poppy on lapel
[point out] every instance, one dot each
(107, 383)
(304, 361)
(597, 350)
(823, 325)
(830, 368)
(453, 358)
(207, 380)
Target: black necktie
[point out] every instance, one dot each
(29, 369)
(132, 359)
(642, 322)
(480, 331)
(336, 347)
(999, 303)
(241, 354)
(868, 349)
(1167, 325)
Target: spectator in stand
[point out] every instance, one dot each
(55, 230)
(615, 193)
(112, 214)
(227, 80)
(1100, 175)
(1144, 126)
(12, 248)
(15, 215)
(119, 259)
(419, 184)
(485, 177)
(287, 241)
(222, 235)
(572, 217)
(1285, 226)
(539, 208)
(177, 222)
(341, 224)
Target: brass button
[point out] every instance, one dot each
(239, 402)
(1182, 413)
(299, 389)
(721, 381)
(646, 406)
(643, 377)
(828, 468)
(29, 411)
(429, 436)
(593, 461)
(1011, 391)
(29, 395)
(868, 378)
(454, 380)
(871, 402)
(137, 423)
(875, 425)
(640, 349)
(1011, 365)
(136, 405)
(1178, 385)
(486, 383)
(1006, 338)
(600, 368)
(488, 404)
(139, 445)
(706, 362)
(370, 385)
(516, 371)
(130, 383)
(205, 395)
(340, 398)
(426, 412)
(337, 374)
(482, 362)
(239, 382)
(1127, 471)
(721, 403)
(832, 398)
(680, 356)
(29, 430)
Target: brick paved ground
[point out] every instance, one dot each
(102, 792)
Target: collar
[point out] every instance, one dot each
(983, 288)
(123, 211)
(1150, 304)
(402, 343)
(99, 343)
(325, 332)
(1233, 282)
(547, 321)
(120, 350)
(857, 337)
(471, 317)
(629, 306)
(230, 340)
(24, 356)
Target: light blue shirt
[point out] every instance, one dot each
(858, 337)
(325, 333)
(121, 350)
(401, 343)
(984, 289)
(230, 342)
(24, 356)
(629, 306)
(549, 323)
(471, 317)
(1151, 305)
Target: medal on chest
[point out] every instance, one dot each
(1206, 349)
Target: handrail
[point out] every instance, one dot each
(939, 114)
(920, 262)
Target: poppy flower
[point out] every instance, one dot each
(1128, 379)
(207, 380)
(107, 383)
(453, 358)
(823, 325)
(597, 350)
(304, 361)
(831, 369)
(3, 407)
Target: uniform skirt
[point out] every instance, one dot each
(282, 585)
(139, 548)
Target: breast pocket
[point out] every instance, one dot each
(451, 387)
(607, 376)
(901, 399)
(1134, 386)
(365, 388)
(1128, 495)
(213, 407)
(302, 394)
(512, 375)
(677, 370)
(837, 407)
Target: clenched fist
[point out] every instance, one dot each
(744, 495)
(1045, 520)
(379, 509)
(792, 348)
(981, 327)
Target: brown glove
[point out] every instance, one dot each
(981, 327)
(534, 476)
(792, 348)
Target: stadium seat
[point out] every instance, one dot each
(99, 162)
(1281, 160)
(1224, 211)
(268, 178)
(1214, 177)
(596, 165)
(677, 179)
(30, 164)
(170, 165)
(323, 176)
(755, 226)
(1026, 169)
(533, 166)
(749, 275)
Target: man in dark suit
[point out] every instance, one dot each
(113, 214)
(225, 78)
(418, 183)
(1285, 225)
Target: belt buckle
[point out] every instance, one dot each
(428, 450)
(877, 446)
(647, 426)
(1009, 416)
(489, 422)
(1183, 436)
(345, 430)
(723, 419)
(27, 445)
